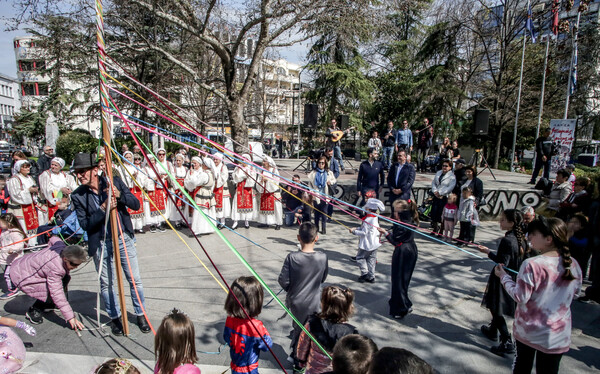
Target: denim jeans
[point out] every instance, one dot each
(290, 215)
(107, 283)
(388, 152)
(337, 153)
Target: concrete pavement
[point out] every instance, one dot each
(446, 290)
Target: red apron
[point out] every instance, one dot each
(179, 199)
(267, 203)
(30, 216)
(158, 197)
(244, 198)
(218, 192)
(137, 192)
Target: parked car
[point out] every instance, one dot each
(4, 164)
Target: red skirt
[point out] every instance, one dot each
(267, 203)
(158, 198)
(30, 216)
(137, 192)
(218, 192)
(244, 198)
(52, 209)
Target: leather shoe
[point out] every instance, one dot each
(143, 324)
(117, 327)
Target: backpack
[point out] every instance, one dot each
(545, 185)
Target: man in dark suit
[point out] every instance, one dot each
(401, 178)
(91, 204)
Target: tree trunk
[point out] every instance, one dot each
(239, 129)
(497, 150)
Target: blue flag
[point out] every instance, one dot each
(529, 24)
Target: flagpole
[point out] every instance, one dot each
(573, 50)
(514, 146)
(537, 132)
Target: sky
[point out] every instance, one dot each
(295, 54)
(8, 65)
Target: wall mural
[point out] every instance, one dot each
(497, 200)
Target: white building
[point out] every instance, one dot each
(10, 104)
(34, 87)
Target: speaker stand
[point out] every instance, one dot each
(474, 161)
(305, 165)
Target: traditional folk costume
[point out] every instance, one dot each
(244, 206)
(51, 184)
(155, 208)
(179, 172)
(269, 208)
(167, 181)
(221, 191)
(23, 204)
(127, 171)
(201, 183)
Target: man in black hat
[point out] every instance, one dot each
(459, 174)
(91, 204)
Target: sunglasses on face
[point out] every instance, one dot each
(161, 154)
(73, 264)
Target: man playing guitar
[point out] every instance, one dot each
(334, 135)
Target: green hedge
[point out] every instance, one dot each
(73, 142)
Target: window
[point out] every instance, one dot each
(28, 89)
(34, 89)
(25, 66)
(42, 89)
(39, 65)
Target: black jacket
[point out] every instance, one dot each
(91, 217)
(543, 146)
(405, 181)
(370, 177)
(43, 163)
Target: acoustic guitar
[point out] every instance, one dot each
(338, 134)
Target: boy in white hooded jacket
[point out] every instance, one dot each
(368, 241)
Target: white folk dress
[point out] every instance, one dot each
(138, 217)
(165, 177)
(269, 199)
(244, 202)
(152, 212)
(222, 196)
(50, 186)
(179, 173)
(23, 204)
(200, 183)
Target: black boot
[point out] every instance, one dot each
(490, 332)
(505, 347)
(323, 230)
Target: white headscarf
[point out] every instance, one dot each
(218, 155)
(17, 166)
(211, 165)
(127, 152)
(179, 155)
(270, 161)
(197, 159)
(161, 149)
(374, 204)
(60, 161)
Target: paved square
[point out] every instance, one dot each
(446, 290)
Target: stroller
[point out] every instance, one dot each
(66, 226)
(425, 208)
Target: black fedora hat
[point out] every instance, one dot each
(84, 161)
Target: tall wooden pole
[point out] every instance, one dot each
(106, 136)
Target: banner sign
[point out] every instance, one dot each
(563, 137)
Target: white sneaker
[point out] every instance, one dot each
(234, 226)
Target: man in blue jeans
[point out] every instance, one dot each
(90, 201)
(389, 145)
